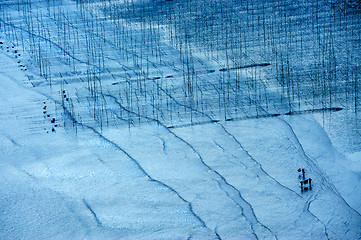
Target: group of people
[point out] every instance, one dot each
(305, 183)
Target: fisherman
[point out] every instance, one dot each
(309, 183)
(303, 173)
